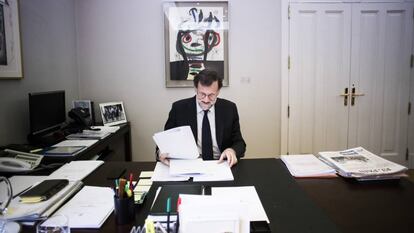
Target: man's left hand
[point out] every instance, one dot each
(230, 154)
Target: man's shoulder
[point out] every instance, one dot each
(225, 103)
(184, 102)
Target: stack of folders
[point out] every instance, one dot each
(307, 166)
(21, 211)
(363, 165)
(89, 134)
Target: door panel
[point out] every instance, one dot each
(319, 50)
(381, 45)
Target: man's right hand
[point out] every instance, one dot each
(164, 159)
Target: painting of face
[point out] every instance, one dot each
(195, 40)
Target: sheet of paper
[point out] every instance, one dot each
(146, 174)
(187, 167)
(76, 170)
(20, 183)
(306, 166)
(178, 142)
(89, 208)
(144, 182)
(162, 173)
(86, 143)
(244, 194)
(217, 215)
(215, 171)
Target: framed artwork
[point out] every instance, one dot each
(196, 38)
(10, 48)
(112, 113)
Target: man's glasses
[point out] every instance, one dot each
(211, 96)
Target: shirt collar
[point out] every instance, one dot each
(200, 110)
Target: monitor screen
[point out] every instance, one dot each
(47, 111)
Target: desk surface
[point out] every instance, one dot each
(298, 205)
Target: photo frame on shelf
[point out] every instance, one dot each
(10, 44)
(112, 113)
(85, 104)
(196, 38)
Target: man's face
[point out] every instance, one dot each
(207, 95)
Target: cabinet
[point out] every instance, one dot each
(349, 77)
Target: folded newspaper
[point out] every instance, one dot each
(362, 164)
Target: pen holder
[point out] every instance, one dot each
(124, 209)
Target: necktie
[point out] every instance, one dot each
(206, 143)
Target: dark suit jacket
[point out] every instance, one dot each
(228, 135)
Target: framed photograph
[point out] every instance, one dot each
(113, 113)
(10, 47)
(85, 104)
(196, 38)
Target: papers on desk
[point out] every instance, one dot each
(228, 209)
(243, 195)
(361, 164)
(178, 142)
(307, 166)
(109, 129)
(76, 170)
(18, 211)
(89, 208)
(89, 134)
(86, 143)
(182, 170)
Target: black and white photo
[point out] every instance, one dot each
(112, 113)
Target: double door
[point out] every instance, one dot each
(349, 77)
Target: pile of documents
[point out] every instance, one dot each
(363, 165)
(308, 166)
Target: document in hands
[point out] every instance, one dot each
(178, 142)
(307, 166)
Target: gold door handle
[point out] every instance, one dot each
(353, 95)
(345, 95)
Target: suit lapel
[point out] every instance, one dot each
(219, 123)
(192, 107)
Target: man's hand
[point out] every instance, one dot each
(230, 154)
(164, 159)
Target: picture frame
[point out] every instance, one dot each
(10, 44)
(113, 113)
(196, 38)
(85, 104)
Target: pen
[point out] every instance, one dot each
(168, 213)
(130, 181)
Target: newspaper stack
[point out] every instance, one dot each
(307, 166)
(361, 164)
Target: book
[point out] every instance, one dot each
(43, 191)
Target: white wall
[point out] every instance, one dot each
(121, 58)
(47, 30)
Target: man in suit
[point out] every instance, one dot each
(214, 121)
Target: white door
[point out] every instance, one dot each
(380, 70)
(319, 50)
(369, 57)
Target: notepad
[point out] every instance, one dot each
(43, 191)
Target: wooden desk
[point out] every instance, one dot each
(296, 205)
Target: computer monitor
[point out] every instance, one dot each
(47, 111)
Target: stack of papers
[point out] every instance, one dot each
(89, 208)
(182, 170)
(363, 165)
(302, 166)
(178, 142)
(89, 134)
(82, 142)
(76, 170)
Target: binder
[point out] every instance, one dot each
(43, 191)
